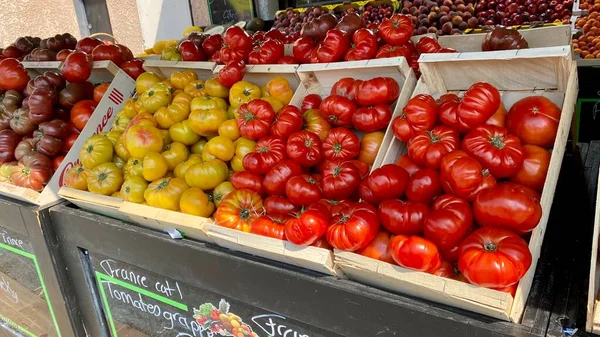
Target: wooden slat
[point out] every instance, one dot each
(593, 315)
(100, 204)
(164, 69)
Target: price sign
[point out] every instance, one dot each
(224, 11)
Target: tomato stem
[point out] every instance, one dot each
(308, 142)
(497, 141)
(163, 184)
(102, 176)
(244, 214)
(490, 247)
(337, 148)
(433, 137)
(90, 149)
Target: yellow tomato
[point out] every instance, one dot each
(279, 88)
(143, 118)
(242, 92)
(191, 29)
(154, 166)
(76, 177)
(206, 122)
(180, 79)
(163, 119)
(182, 167)
(145, 81)
(208, 102)
(232, 112)
(133, 168)
(133, 189)
(207, 175)
(179, 111)
(165, 136)
(157, 96)
(194, 201)
(183, 133)
(221, 147)
(105, 179)
(195, 88)
(95, 151)
(221, 191)
(165, 193)
(174, 154)
(198, 146)
(236, 163)
(121, 150)
(120, 122)
(142, 139)
(182, 97)
(118, 161)
(169, 86)
(158, 46)
(214, 88)
(263, 91)
(113, 136)
(229, 129)
(243, 146)
(206, 156)
(277, 105)
(128, 108)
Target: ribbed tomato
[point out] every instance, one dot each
(416, 253)
(403, 217)
(267, 153)
(384, 183)
(420, 114)
(239, 209)
(427, 148)
(449, 222)
(463, 176)
(353, 228)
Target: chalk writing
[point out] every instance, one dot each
(272, 328)
(123, 274)
(12, 241)
(230, 15)
(5, 286)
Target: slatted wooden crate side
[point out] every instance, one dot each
(592, 322)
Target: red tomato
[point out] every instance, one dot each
(507, 206)
(378, 249)
(420, 114)
(302, 49)
(62, 55)
(304, 147)
(255, 118)
(428, 44)
(346, 87)
(100, 90)
(478, 104)
(393, 51)
(451, 271)
(306, 228)
(534, 169)
(338, 110)
(450, 221)
(353, 228)
(81, 112)
(77, 67)
(365, 46)
(499, 117)
(133, 68)
(494, 257)
(341, 144)
(13, 75)
(424, 186)
(267, 153)
(334, 207)
(125, 51)
(373, 118)
(396, 30)
(416, 253)
(384, 183)
(408, 164)
(267, 52)
(212, 44)
(232, 73)
(237, 45)
(363, 168)
(245, 180)
(340, 179)
(379, 90)
(270, 226)
(56, 161)
(287, 121)
(288, 59)
(534, 120)
(191, 52)
(448, 112)
(333, 47)
(303, 190)
(277, 205)
(463, 176)
(495, 149)
(103, 52)
(69, 142)
(312, 101)
(276, 179)
(427, 148)
(403, 217)
(87, 44)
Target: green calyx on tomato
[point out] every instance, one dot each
(244, 214)
(490, 247)
(497, 141)
(102, 176)
(163, 184)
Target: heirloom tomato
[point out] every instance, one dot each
(104, 52)
(33, 171)
(416, 253)
(267, 153)
(478, 104)
(333, 47)
(237, 44)
(270, 226)
(76, 68)
(396, 30)
(450, 221)
(334, 207)
(9, 140)
(303, 48)
(165, 193)
(13, 75)
(163, 120)
(245, 180)
(133, 189)
(49, 145)
(364, 46)
(275, 104)
(499, 117)
(206, 122)
(41, 104)
(346, 87)
(221, 191)
(239, 209)
(229, 130)
(207, 175)
(212, 44)
(353, 228)
(374, 118)
(95, 151)
(99, 91)
(424, 186)
(378, 248)
(141, 139)
(303, 190)
(341, 144)
(196, 88)
(105, 179)
(386, 182)
(496, 150)
(121, 151)
(145, 81)
(278, 205)
(76, 177)
(182, 132)
(180, 79)
(494, 257)
(363, 168)
(403, 217)
(306, 227)
(194, 201)
(534, 120)
(213, 88)
(232, 73)
(154, 166)
(276, 179)
(191, 52)
(315, 123)
(393, 51)
(419, 115)
(428, 44)
(463, 176)
(279, 88)
(340, 179)
(338, 110)
(219, 147)
(287, 121)
(182, 168)
(156, 97)
(243, 92)
(448, 113)
(133, 168)
(208, 102)
(508, 205)
(304, 147)
(369, 146)
(427, 148)
(408, 164)
(255, 118)
(534, 169)
(451, 271)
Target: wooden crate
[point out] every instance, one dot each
(38, 68)
(517, 74)
(164, 69)
(95, 203)
(592, 322)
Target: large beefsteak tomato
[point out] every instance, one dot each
(419, 115)
(403, 217)
(353, 228)
(416, 253)
(267, 153)
(386, 182)
(534, 120)
(427, 148)
(495, 149)
(239, 209)
(450, 221)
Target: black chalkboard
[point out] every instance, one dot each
(141, 303)
(225, 11)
